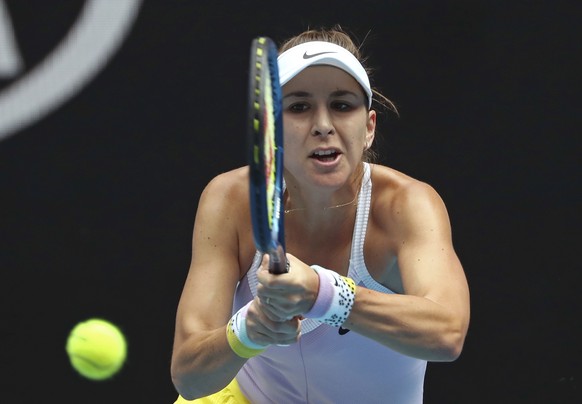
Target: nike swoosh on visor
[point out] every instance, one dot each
(306, 56)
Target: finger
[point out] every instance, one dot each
(273, 314)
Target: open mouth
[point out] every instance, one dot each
(325, 155)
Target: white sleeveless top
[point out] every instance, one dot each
(325, 366)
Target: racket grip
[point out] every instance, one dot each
(278, 261)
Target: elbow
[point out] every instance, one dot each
(182, 387)
(184, 391)
(451, 346)
(186, 396)
(452, 338)
(452, 352)
(192, 387)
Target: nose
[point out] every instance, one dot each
(322, 123)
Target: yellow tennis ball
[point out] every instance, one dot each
(97, 349)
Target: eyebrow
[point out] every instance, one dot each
(342, 93)
(305, 94)
(300, 94)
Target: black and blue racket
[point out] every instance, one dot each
(265, 129)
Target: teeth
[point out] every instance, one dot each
(324, 152)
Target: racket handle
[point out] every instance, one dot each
(278, 261)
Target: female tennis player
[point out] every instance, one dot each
(374, 290)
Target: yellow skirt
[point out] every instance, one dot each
(231, 394)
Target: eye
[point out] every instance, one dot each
(298, 107)
(341, 106)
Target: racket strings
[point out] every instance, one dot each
(266, 153)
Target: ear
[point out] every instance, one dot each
(370, 129)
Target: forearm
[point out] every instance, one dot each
(412, 325)
(204, 363)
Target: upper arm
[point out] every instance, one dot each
(207, 296)
(429, 266)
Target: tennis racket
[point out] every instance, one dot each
(265, 133)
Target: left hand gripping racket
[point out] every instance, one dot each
(265, 134)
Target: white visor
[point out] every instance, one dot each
(295, 60)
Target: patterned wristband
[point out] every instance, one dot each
(236, 335)
(335, 297)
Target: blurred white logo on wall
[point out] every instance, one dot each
(95, 36)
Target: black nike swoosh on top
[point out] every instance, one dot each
(343, 331)
(306, 56)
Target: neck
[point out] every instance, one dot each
(309, 204)
(341, 205)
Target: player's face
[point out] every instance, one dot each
(327, 125)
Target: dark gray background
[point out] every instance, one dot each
(98, 198)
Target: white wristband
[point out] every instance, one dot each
(335, 297)
(238, 339)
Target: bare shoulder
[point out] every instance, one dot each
(226, 188)
(399, 198)
(223, 226)
(224, 203)
(233, 181)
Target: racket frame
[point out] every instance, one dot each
(265, 128)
